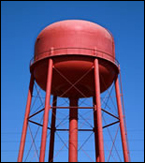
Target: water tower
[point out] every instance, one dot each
(74, 59)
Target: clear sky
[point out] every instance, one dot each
(21, 22)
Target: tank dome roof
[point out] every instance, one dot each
(75, 37)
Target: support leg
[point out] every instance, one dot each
(73, 131)
(98, 111)
(46, 111)
(96, 137)
(52, 134)
(96, 134)
(25, 125)
(122, 128)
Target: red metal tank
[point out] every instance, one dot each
(73, 45)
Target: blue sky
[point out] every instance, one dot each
(21, 22)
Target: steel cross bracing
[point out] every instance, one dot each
(56, 130)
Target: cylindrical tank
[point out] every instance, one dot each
(73, 45)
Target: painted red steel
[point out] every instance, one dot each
(52, 134)
(73, 131)
(84, 35)
(25, 125)
(122, 127)
(96, 135)
(73, 45)
(98, 111)
(64, 52)
(46, 111)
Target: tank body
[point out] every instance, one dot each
(73, 45)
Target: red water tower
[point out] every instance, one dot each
(74, 59)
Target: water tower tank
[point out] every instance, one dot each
(74, 44)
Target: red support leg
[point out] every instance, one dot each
(98, 111)
(46, 111)
(73, 131)
(52, 134)
(25, 125)
(122, 129)
(96, 136)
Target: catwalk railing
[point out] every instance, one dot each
(77, 51)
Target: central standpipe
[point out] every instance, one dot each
(73, 130)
